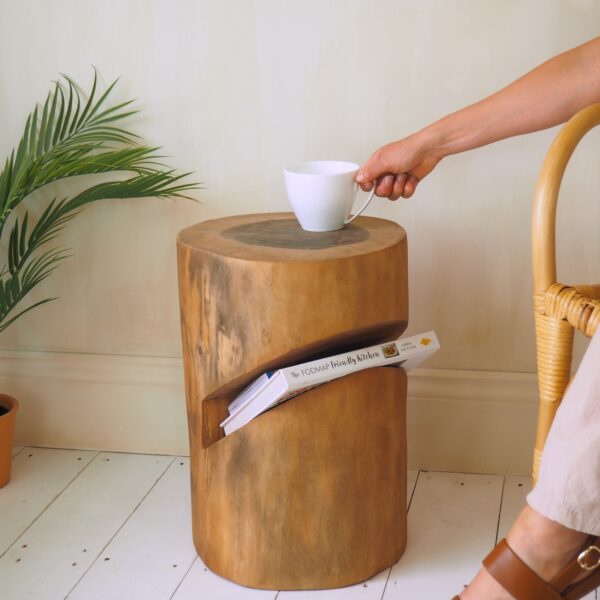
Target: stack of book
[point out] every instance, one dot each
(274, 387)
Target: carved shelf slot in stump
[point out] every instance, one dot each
(311, 494)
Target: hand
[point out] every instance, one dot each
(396, 169)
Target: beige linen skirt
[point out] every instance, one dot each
(568, 487)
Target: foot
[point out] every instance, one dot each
(544, 545)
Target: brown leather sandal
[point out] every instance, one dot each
(576, 580)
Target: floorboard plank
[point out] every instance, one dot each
(411, 481)
(52, 555)
(38, 476)
(452, 524)
(516, 489)
(368, 590)
(200, 583)
(153, 550)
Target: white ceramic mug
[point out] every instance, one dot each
(322, 193)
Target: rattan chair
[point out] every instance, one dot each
(559, 309)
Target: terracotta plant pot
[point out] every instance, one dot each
(7, 433)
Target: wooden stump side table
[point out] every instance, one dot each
(310, 494)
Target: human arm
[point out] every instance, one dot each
(544, 97)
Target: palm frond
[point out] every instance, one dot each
(15, 287)
(62, 138)
(161, 184)
(58, 135)
(22, 246)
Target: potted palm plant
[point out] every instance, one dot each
(64, 137)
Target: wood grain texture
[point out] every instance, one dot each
(307, 495)
(372, 589)
(312, 493)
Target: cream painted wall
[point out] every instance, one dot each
(234, 90)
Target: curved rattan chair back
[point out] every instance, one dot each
(559, 309)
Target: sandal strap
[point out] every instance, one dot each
(516, 577)
(586, 562)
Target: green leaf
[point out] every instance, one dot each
(65, 126)
(75, 118)
(61, 115)
(24, 142)
(103, 98)
(33, 129)
(43, 126)
(89, 102)
(50, 125)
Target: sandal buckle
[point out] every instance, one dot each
(582, 559)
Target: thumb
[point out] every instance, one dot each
(370, 171)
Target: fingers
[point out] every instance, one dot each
(399, 184)
(394, 186)
(385, 185)
(396, 169)
(410, 187)
(387, 181)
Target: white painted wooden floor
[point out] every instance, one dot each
(104, 526)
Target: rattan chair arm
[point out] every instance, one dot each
(563, 302)
(546, 194)
(590, 290)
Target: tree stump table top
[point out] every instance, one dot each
(278, 236)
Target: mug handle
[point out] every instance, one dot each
(364, 205)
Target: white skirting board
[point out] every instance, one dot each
(469, 421)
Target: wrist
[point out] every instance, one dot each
(439, 138)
